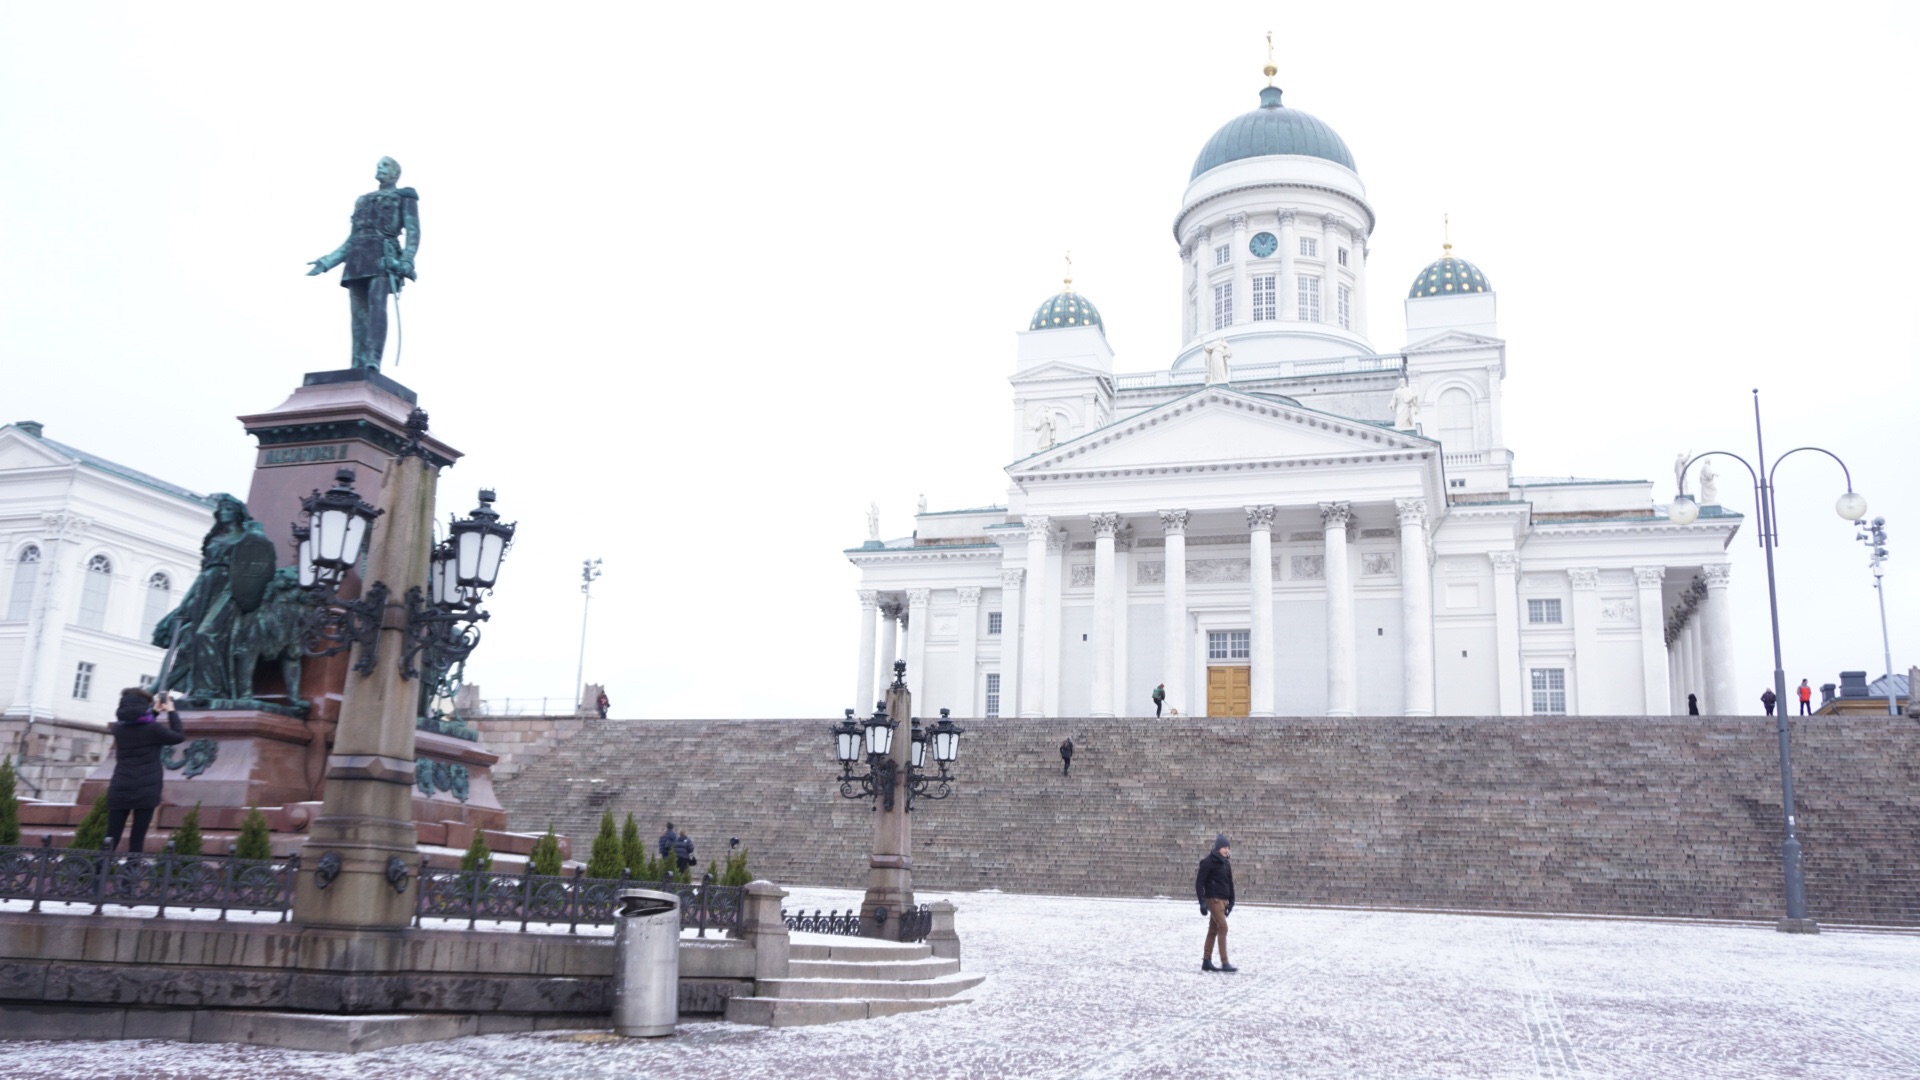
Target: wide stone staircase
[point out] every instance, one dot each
(1644, 816)
(852, 979)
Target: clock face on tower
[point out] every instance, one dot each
(1263, 245)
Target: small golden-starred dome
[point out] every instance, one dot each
(1065, 309)
(1449, 276)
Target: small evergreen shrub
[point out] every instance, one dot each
(605, 860)
(92, 831)
(736, 872)
(477, 856)
(187, 839)
(255, 841)
(545, 860)
(9, 805)
(633, 850)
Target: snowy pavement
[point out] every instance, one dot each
(1112, 988)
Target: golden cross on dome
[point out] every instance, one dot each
(1069, 277)
(1270, 69)
(1446, 236)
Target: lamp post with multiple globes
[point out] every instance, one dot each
(1850, 506)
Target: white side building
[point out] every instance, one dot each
(1270, 525)
(92, 554)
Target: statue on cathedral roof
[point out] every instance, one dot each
(1218, 354)
(1406, 406)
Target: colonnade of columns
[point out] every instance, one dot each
(1329, 233)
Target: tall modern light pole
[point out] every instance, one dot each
(1875, 537)
(1850, 506)
(589, 571)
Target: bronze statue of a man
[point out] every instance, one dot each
(377, 264)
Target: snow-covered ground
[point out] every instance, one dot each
(1112, 988)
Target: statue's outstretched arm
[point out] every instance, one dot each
(328, 261)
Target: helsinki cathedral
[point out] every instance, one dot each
(1288, 519)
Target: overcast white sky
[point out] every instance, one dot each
(697, 282)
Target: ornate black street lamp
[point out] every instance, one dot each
(1850, 506)
(874, 739)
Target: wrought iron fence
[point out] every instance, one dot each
(47, 874)
(573, 899)
(912, 925)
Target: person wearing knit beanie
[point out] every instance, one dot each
(1213, 887)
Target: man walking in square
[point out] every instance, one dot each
(1214, 887)
(1159, 699)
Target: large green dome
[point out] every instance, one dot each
(1066, 309)
(1272, 129)
(1448, 276)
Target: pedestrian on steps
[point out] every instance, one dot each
(1767, 699)
(1693, 705)
(603, 704)
(1159, 699)
(1806, 699)
(666, 841)
(1213, 885)
(1066, 756)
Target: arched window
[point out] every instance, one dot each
(159, 600)
(93, 594)
(26, 571)
(1456, 420)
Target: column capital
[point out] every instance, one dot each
(1412, 511)
(1123, 538)
(1329, 221)
(1175, 522)
(1206, 234)
(1336, 513)
(1036, 523)
(891, 610)
(1717, 575)
(1104, 525)
(869, 598)
(1239, 221)
(1584, 578)
(1057, 539)
(1649, 577)
(1011, 579)
(919, 598)
(1259, 518)
(1283, 218)
(969, 595)
(1504, 562)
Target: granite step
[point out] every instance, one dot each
(858, 950)
(800, 1012)
(944, 986)
(874, 970)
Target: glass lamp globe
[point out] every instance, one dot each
(1852, 506)
(846, 740)
(919, 745)
(880, 734)
(1684, 511)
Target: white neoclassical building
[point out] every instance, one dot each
(92, 555)
(1273, 524)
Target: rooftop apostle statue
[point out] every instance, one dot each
(378, 264)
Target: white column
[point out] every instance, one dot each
(1260, 603)
(863, 694)
(1506, 623)
(1124, 700)
(1242, 299)
(1416, 607)
(917, 603)
(966, 672)
(1586, 693)
(1104, 526)
(1653, 640)
(889, 650)
(1011, 641)
(1173, 657)
(1358, 263)
(1190, 280)
(1342, 688)
(1289, 283)
(1034, 637)
(1717, 642)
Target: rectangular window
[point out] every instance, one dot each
(1223, 305)
(1222, 255)
(1343, 256)
(993, 693)
(1266, 304)
(1229, 645)
(1346, 307)
(1543, 611)
(1549, 691)
(993, 626)
(1309, 247)
(83, 680)
(1310, 299)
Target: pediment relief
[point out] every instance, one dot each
(1057, 369)
(23, 452)
(1222, 427)
(1456, 339)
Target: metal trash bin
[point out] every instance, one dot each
(646, 963)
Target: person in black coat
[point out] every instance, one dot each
(139, 738)
(683, 851)
(1213, 886)
(666, 841)
(1693, 705)
(1066, 756)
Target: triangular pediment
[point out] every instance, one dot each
(1058, 369)
(1455, 339)
(21, 451)
(1218, 426)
